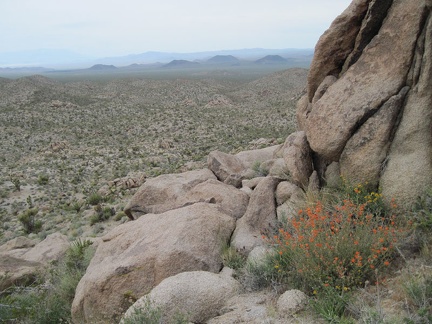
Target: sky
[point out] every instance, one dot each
(120, 27)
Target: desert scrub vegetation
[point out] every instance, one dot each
(345, 244)
(62, 141)
(49, 297)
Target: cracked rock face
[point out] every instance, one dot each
(369, 97)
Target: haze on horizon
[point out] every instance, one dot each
(102, 28)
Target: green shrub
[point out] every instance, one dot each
(102, 214)
(418, 290)
(29, 222)
(421, 218)
(94, 199)
(42, 179)
(330, 304)
(259, 170)
(48, 300)
(232, 258)
(16, 182)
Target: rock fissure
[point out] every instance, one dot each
(418, 51)
(371, 25)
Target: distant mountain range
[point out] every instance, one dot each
(62, 59)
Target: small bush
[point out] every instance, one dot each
(421, 216)
(339, 248)
(48, 300)
(102, 214)
(330, 304)
(418, 290)
(16, 182)
(29, 222)
(259, 169)
(43, 179)
(94, 199)
(232, 258)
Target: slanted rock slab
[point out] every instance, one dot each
(260, 216)
(160, 194)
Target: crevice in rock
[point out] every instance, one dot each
(371, 25)
(403, 91)
(418, 51)
(413, 75)
(320, 165)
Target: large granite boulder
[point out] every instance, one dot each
(171, 191)
(369, 103)
(160, 194)
(136, 256)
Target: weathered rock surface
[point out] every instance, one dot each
(408, 171)
(138, 255)
(14, 271)
(378, 74)
(364, 154)
(248, 308)
(198, 295)
(232, 201)
(53, 247)
(298, 160)
(335, 45)
(20, 242)
(165, 192)
(249, 158)
(224, 165)
(21, 258)
(291, 302)
(285, 190)
(367, 106)
(260, 216)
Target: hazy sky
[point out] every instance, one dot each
(117, 27)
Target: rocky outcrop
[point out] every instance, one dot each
(136, 256)
(408, 168)
(367, 115)
(367, 106)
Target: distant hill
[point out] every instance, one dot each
(271, 59)
(102, 67)
(223, 59)
(180, 64)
